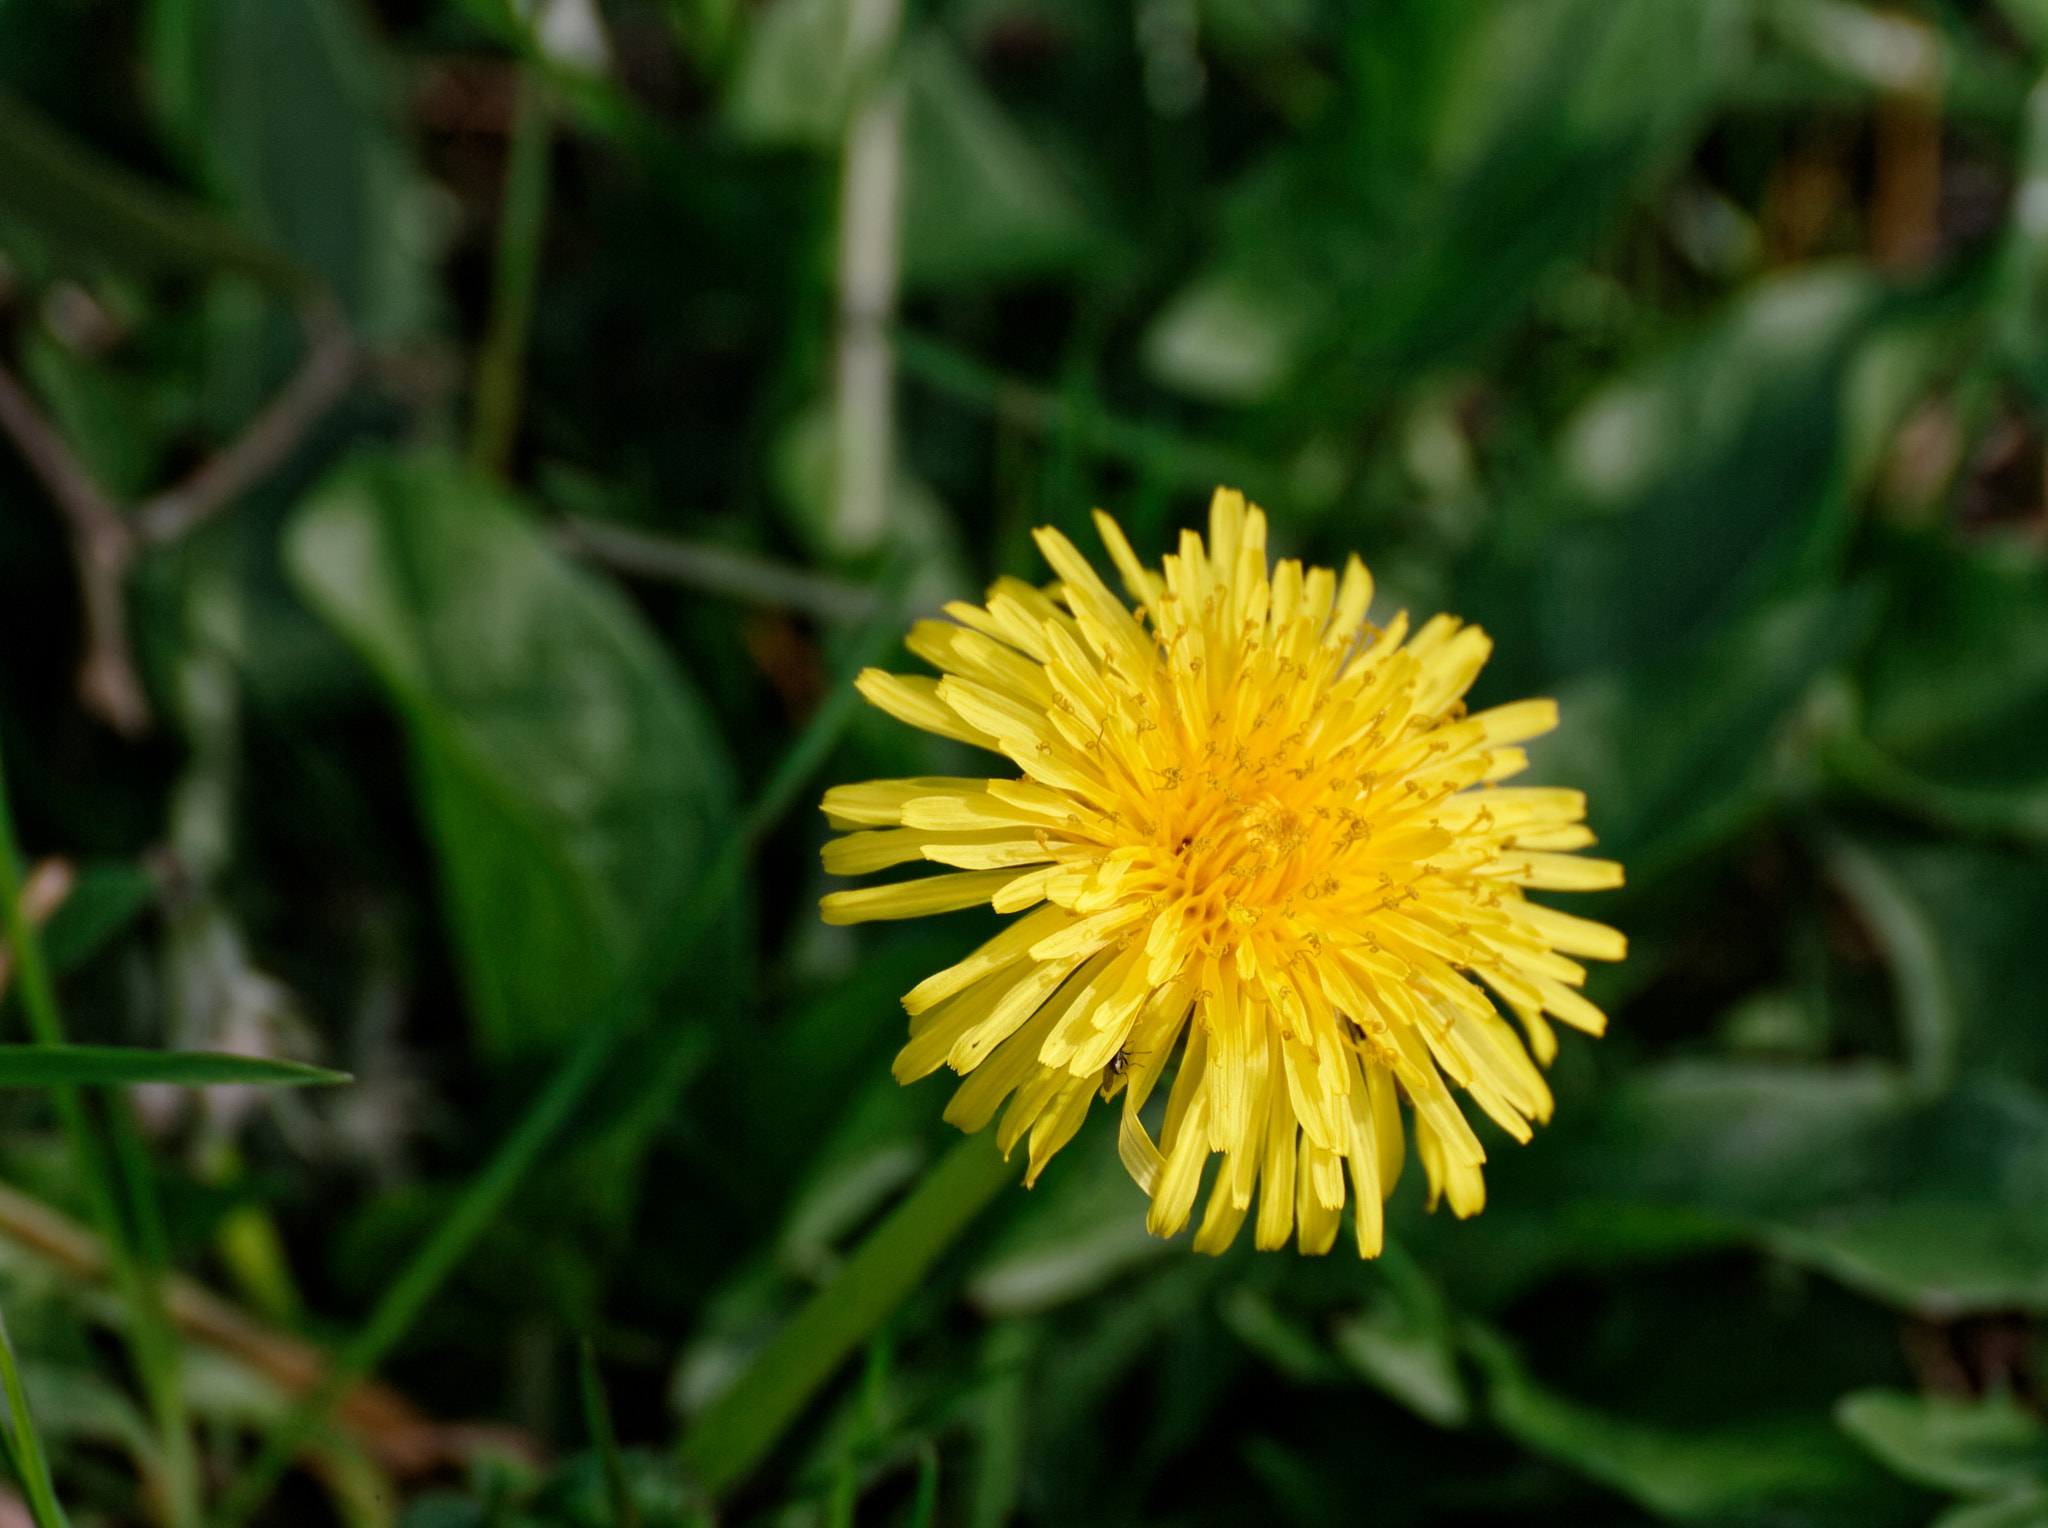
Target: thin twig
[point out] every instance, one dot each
(104, 543)
(47, 888)
(103, 549)
(716, 570)
(402, 1439)
(320, 383)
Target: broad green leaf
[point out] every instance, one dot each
(286, 112)
(1939, 1207)
(1233, 335)
(1678, 756)
(1952, 1218)
(797, 73)
(2029, 1509)
(1955, 687)
(1695, 483)
(1985, 1447)
(1959, 926)
(107, 897)
(567, 772)
(1478, 144)
(98, 207)
(88, 1066)
(1784, 1469)
(979, 201)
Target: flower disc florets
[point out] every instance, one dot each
(1253, 831)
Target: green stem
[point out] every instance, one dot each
(741, 1426)
(24, 1446)
(1178, 458)
(522, 219)
(597, 1421)
(150, 1336)
(846, 1474)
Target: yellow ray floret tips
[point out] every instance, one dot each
(1257, 844)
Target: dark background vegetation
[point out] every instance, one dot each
(1697, 348)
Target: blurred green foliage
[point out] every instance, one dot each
(1696, 348)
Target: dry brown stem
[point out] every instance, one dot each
(105, 542)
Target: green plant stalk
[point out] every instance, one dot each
(422, 1277)
(24, 1446)
(150, 1336)
(501, 362)
(846, 1473)
(1179, 458)
(925, 1505)
(597, 1421)
(735, 1434)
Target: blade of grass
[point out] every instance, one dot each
(522, 219)
(663, 953)
(597, 1421)
(1165, 453)
(735, 1434)
(24, 1446)
(50, 1066)
(846, 1472)
(150, 1335)
(925, 1505)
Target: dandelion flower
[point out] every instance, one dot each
(1251, 831)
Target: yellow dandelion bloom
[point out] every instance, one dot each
(1251, 830)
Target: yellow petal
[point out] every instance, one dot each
(915, 899)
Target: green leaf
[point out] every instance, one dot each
(2027, 1510)
(1955, 687)
(567, 771)
(107, 896)
(1788, 1469)
(1696, 481)
(288, 114)
(1959, 925)
(980, 203)
(1082, 1228)
(797, 74)
(1952, 1216)
(1405, 1344)
(1676, 757)
(96, 206)
(1939, 1207)
(1480, 144)
(79, 1066)
(1989, 1446)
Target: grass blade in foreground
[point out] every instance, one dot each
(597, 1421)
(26, 1447)
(81, 1066)
(150, 1335)
(741, 1426)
